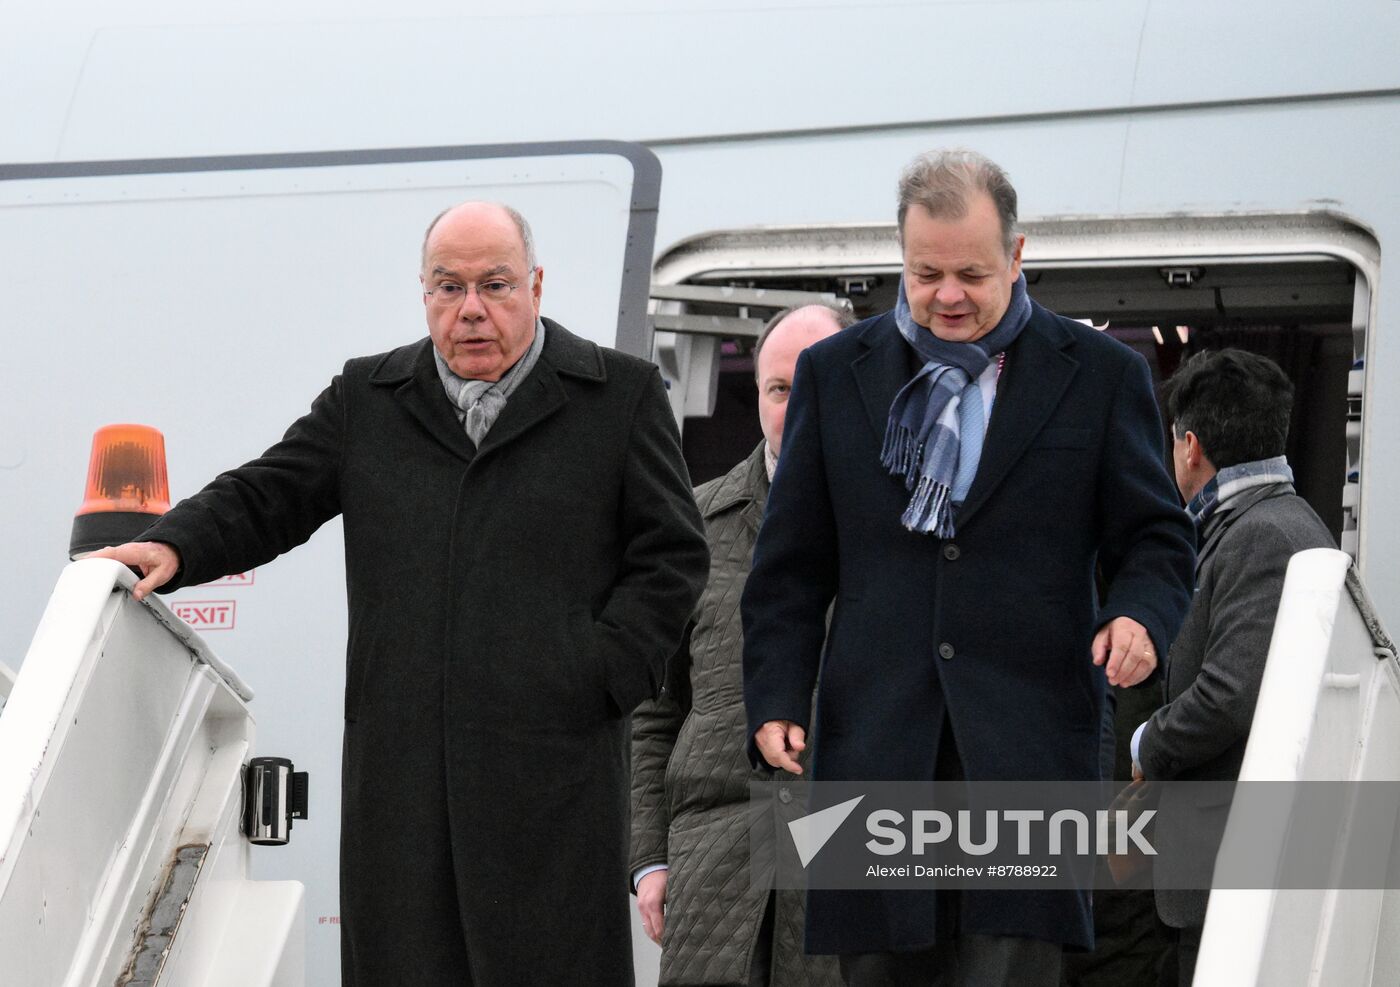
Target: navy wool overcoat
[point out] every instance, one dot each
(989, 630)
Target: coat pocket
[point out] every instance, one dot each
(589, 677)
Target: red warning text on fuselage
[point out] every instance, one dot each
(237, 579)
(206, 615)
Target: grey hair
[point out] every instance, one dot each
(841, 316)
(944, 182)
(526, 237)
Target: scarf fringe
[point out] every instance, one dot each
(930, 510)
(902, 453)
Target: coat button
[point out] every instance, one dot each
(951, 552)
(784, 795)
(945, 651)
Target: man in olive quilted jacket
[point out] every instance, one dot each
(690, 775)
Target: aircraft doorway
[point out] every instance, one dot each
(1295, 288)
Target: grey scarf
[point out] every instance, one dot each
(479, 402)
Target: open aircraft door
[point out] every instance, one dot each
(1328, 713)
(213, 298)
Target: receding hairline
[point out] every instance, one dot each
(841, 317)
(522, 227)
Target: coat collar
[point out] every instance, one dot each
(1220, 521)
(1039, 369)
(411, 371)
(746, 484)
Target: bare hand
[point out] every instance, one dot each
(155, 560)
(1137, 772)
(780, 741)
(651, 904)
(1127, 647)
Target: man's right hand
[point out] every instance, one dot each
(651, 904)
(780, 741)
(155, 560)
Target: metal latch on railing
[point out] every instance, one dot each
(273, 796)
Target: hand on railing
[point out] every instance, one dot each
(155, 560)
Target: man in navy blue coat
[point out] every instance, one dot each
(952, 474)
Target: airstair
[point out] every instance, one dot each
(1329, 711)
(123, 859)
(124, 744)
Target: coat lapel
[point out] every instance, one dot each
(412, 371)
(746, 484)
(543, 392)
(1037, 374)
(539, 396)
(881, 370)
(1038, 371)
(1219, 523)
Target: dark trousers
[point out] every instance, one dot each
(968, 960)
(959, 959)
(1184, 953)
(761, 967)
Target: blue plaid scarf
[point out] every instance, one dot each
(1229, 483)
(922, 441)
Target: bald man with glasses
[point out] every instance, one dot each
(522, 552)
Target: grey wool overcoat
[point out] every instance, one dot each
(1215, 669)
(691, 774)
(509, 605)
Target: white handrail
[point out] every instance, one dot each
(122, 747)
(1329, 710)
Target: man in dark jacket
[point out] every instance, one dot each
(1229, 412)
(952, 472)
(522, 551)
(690, 770)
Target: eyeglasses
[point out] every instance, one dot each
(449, 294)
